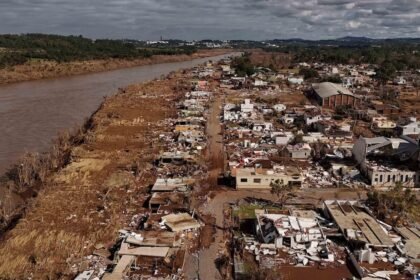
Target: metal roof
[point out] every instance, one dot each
(328, 89)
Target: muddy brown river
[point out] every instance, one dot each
(32, 113)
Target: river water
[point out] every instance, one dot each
(32, 113)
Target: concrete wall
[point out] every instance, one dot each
(260, 181)
(359, 153)
(338, 100)
(390, 178)
(300, 154)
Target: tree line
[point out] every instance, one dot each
(18, 49)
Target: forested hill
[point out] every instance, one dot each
(18, 49)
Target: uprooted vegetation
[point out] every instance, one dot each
(22, 182)
(93, 190)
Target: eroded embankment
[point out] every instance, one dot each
(97, 192)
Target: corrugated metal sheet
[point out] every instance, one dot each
(328, 89)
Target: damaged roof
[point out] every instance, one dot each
(328, 89)
(180, 222)
(356, 224)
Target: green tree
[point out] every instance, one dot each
(385, 72)
(308, 73)
(332, 79)
(394, 205)
(283, 191)
(243, 65)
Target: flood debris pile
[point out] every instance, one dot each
(338, 235)
(155, 242)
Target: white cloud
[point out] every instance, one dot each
(353, 24)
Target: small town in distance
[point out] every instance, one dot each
(257, 164)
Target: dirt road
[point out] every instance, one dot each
(215, 151)
(202, 264)
(207, 256)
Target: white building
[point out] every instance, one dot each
(247, 107)
(412, 128)
(388, 172)
(284, 138)
(383, 123)
(298, 80)
(400, 81)
(259, 178)
(259, 83)
(279, 107)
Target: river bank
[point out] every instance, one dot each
(86, 202)
(42, 69)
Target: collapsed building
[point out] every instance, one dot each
(387, 161)
(357, 226)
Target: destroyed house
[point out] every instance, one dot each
(190, 121)
(172, 185)
(260, 178)
(412, 128)
(198, 94)
(387, 109)
(154, 239)
(191, 137)
(180, 222)
(121, 269)
(356, 225)
(175, 200)
(187, 127)
(279, 228)
(411, 236)
(387, 161)
(193, 111)
(299, 151)
(176, 158)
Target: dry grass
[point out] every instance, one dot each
(96, 194)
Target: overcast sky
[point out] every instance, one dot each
(213, 19)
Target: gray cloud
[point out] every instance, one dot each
(216, 19)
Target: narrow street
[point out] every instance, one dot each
(207, 267)
(215, 149)
(203, 262)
